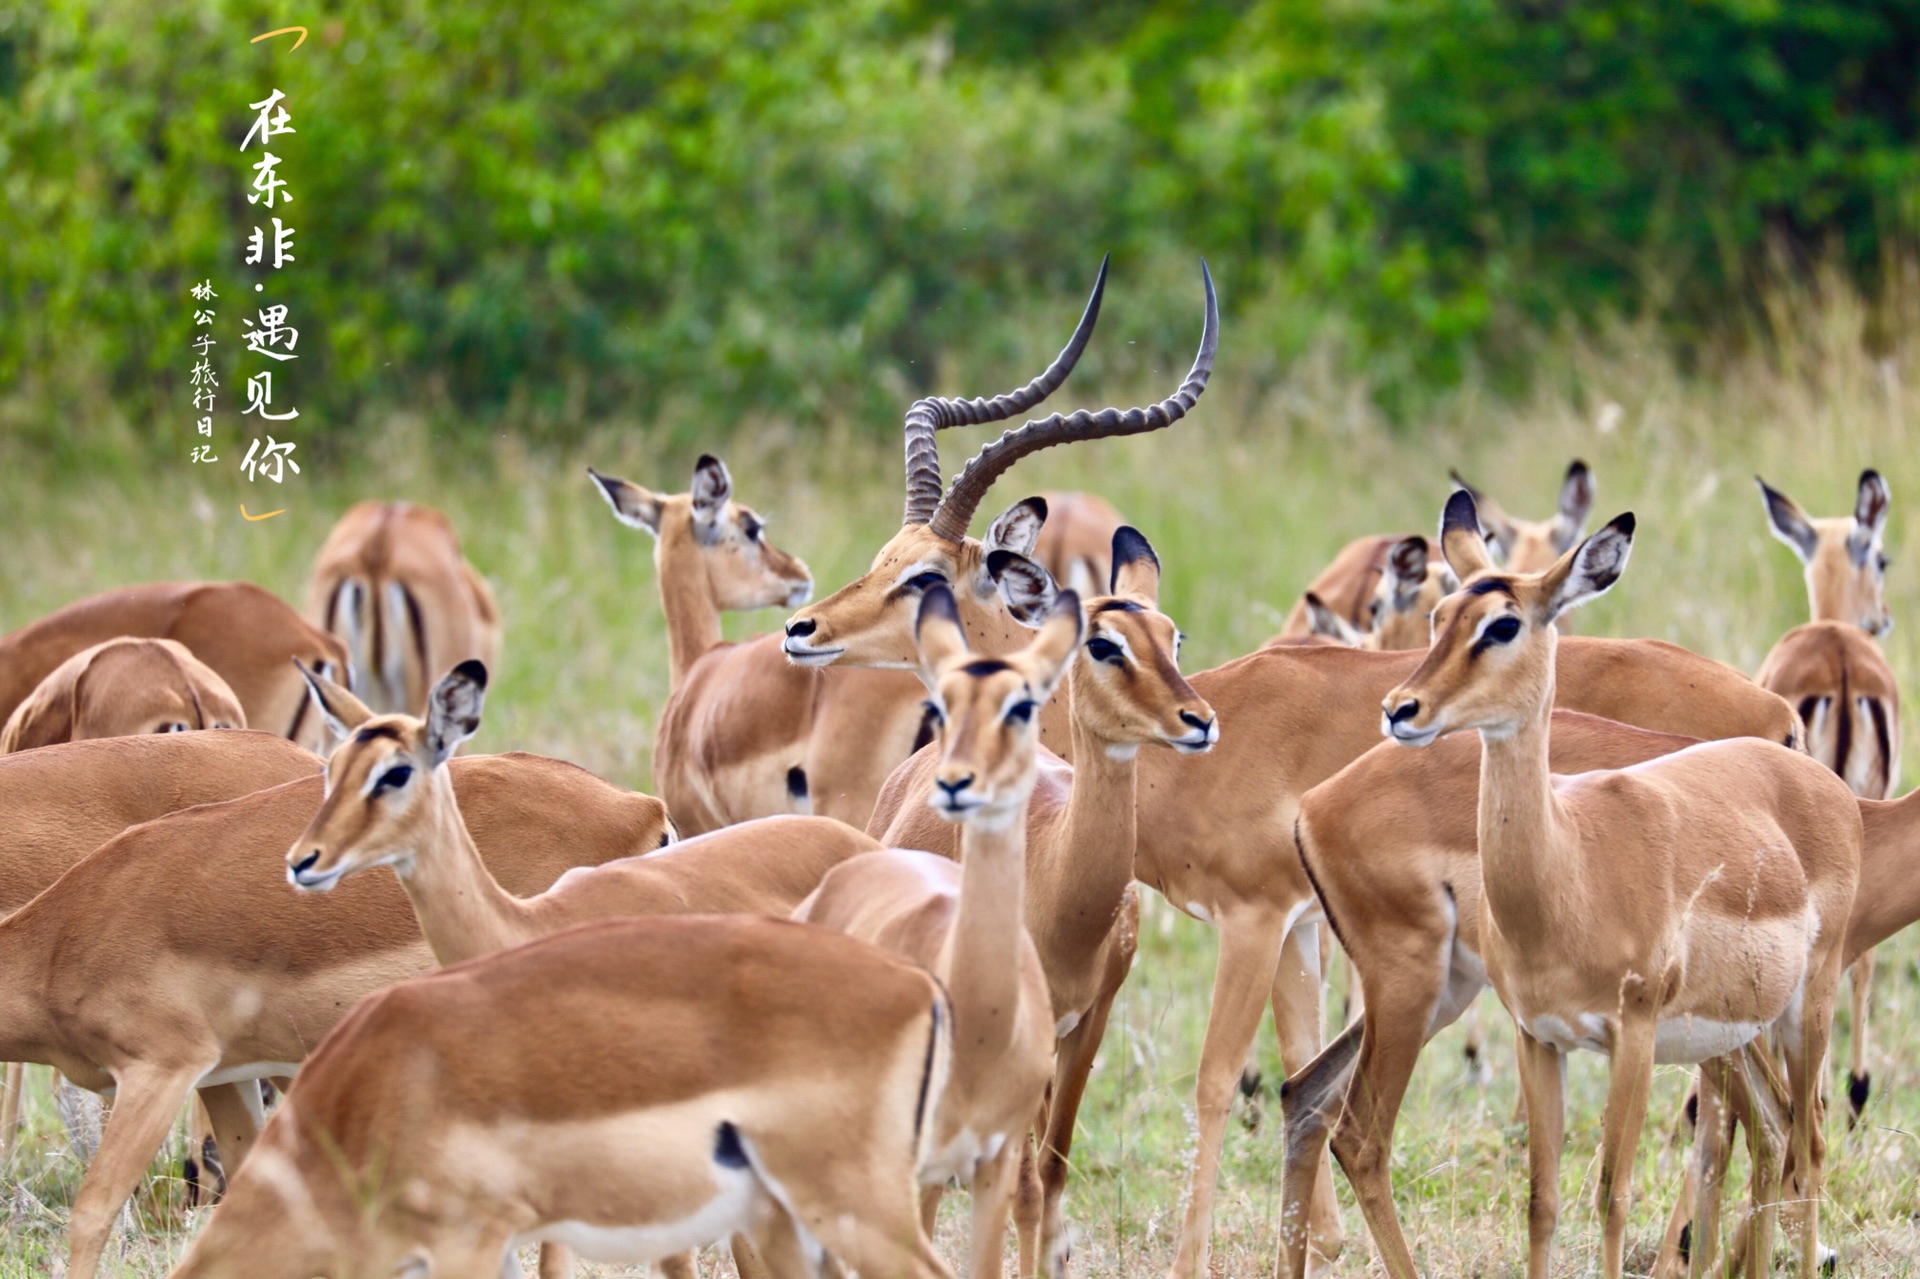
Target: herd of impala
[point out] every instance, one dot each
(874, 948)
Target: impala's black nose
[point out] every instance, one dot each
(954, 788)
(800, 628)
(1194, 721)
(306, 863)
(1404, 711)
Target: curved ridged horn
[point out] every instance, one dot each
(956, 510)
(936, 413)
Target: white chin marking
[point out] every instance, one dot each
(810, 656)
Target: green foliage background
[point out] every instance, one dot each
(545, 215)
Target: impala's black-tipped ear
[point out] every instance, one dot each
(1061, 631)
(1871, 503)
(1026, 587)
(1461, 540)
(712, 489)
(342, 711)
(453, 709)
(1788, 522)
(936, 628)
(1407, 563)
(632, 505)
(1590, 568)
(1136, 569)
(1576, 503)
(1018, 527)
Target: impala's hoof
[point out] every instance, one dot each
(1829, 1260)
(1686, 1244)
(1858, 1086)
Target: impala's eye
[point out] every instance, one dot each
(171, 726)
(1502, 630)
(394, 778)
(1883, 561)
(922, 581)
(1104, 650)
(1373, 608)
(752, 528)
(1021, 712)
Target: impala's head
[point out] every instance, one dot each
(744, 569)
(1411, 585)
(125, 687)
(1127, 687)
(383, 778)
(1529, 546)
(1846, 567)
(1491, 664)
(986, 710)
(871, 622)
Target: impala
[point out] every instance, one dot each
(1669, 912)
(1125, 691)
(967, 923)
(63, 801)
(1215, 834)
(1836, 676)
(247, 635)
(452, 1117)
(119, 688)
(1397, 615)
(175, 957)
(744, 733)
(1352, 591)
(391, 584)
(390, 802)
(1391, 845)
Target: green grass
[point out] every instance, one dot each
(1244, 501)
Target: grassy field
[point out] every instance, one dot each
(1244, 501)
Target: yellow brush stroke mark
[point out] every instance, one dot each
(269, 515)
(296, 44)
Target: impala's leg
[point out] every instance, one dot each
(1628, 1084)
(1072, 1067)
(993, 1186)
(556, 1261)
(1396, 1024)
(930, 1197)
(748, 1262)
(10, 1095)
(473, 1256)
(1805, 1046)
(1760, 1102)
(146, 1100)
(234, 1125)
(1859, 1075)
(1310, 1100)
(681, 1265)
(777, 1250)
(1028, 1200)
(1298, 1005)
(1249, 952)
(1543, 1079)
(1696, 1210)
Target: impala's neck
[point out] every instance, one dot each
(1086, 870)
(1528, 883)
(463, 911)
(1889, 895)
(693, 620)
(982, 962)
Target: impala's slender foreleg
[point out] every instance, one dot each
(556, 1261)
(1311, 1100)
(993, 1187)
(1805, 1047)
(1073, 1065)
(1543, 1078)
(681, 1265)
(1250, 940)
(10, 1094)
(1628, 1083)
(146, 1099)
(1299, 1005)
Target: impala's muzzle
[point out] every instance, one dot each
(802, 653)
(1206, 731)
(302, 874)
(1397, 716)
(950, 798)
